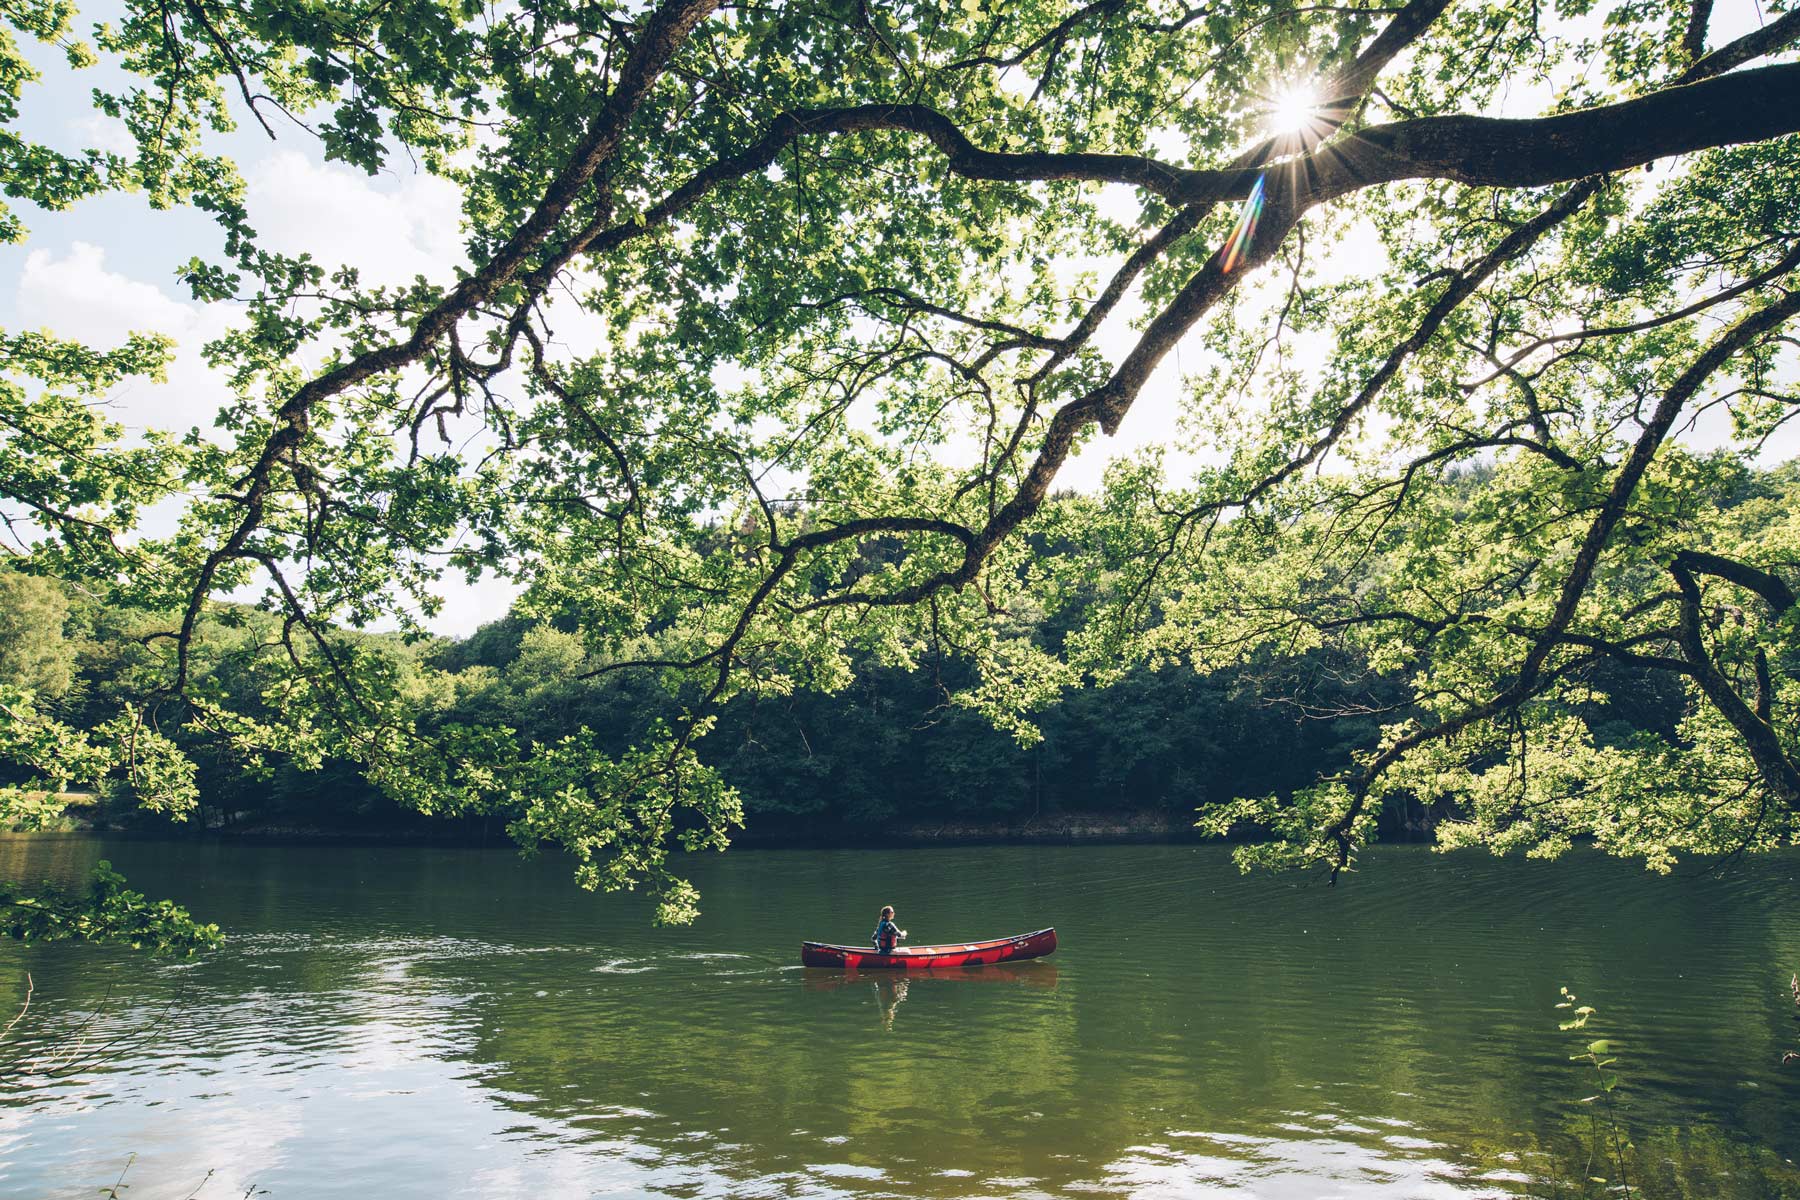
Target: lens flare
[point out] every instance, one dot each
(1237, 246)
(1294, 110)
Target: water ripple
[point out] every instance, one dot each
(457, 1024)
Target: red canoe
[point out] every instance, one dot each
(913, 958)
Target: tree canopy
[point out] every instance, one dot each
(781, 322)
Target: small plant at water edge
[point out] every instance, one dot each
(1793, 1055)
(1598, 1054)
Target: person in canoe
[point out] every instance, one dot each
(887, 934)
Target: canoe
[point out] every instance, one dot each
(913, 958)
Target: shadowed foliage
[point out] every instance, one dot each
(852, 284)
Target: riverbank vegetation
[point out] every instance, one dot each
(892, 753)
(778, 334)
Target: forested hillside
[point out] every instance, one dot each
(889, 751)
(999, 349)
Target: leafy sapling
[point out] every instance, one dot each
(1599, 1054)
(1794, 985)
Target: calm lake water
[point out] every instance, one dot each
(402, 1021)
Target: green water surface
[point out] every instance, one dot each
(402, 1021)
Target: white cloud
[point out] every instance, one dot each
(76, 296)
(102, 132)
(340, 216)
(80, 299)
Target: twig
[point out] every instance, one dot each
(23, 1008)
(112, 1193)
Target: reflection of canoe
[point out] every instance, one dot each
(1031, 974)
(913, 958)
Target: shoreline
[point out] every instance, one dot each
(1072, 828)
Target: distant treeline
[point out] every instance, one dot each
(887, 752)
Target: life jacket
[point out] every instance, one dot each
(885, 936)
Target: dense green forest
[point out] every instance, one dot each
(889, 753)
(1375, 395)
(1298, 425)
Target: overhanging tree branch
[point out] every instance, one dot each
(1531, 671)
(1777, 770)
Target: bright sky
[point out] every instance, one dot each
(108, 268)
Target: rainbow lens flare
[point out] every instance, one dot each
(1238, 245)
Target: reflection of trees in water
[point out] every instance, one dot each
(890, 987)
(1794, 986)
(1050, 1107)
(1418, 993)
(1665, 1162)
(1407, 1005)
(777, 1064)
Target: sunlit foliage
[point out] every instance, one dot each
(853, 282)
